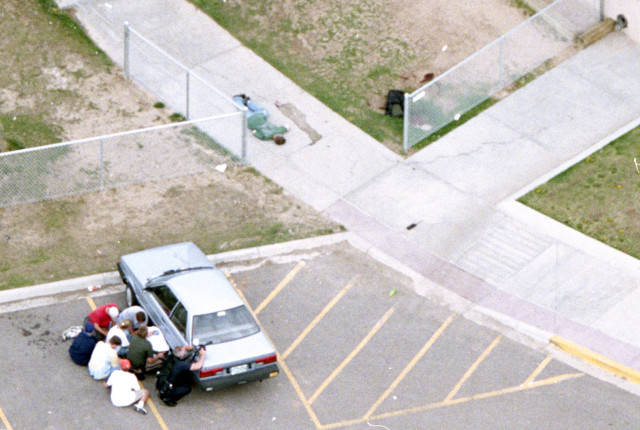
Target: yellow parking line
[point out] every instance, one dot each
(472, 369)
(410, 366)
(316, 320)
(541, 383)
(5, 421)
(537, 371)
(155, 412)
(596, 359)
(280, 286)
(517, 388)
(418, 409)
(351, 355)
(281, 361)
(92, 305)
(298, 390)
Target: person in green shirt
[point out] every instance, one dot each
(141, 353)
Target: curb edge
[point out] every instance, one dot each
(596, 359)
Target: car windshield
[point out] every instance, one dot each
(223, 326)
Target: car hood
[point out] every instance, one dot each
(238, 351)
(153, 262)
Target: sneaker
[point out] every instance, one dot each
(137, 408)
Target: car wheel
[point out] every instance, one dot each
(131, 297)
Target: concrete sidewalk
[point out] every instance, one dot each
(470, 235)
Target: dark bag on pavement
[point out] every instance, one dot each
(162, 382)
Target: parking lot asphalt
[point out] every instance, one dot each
(357, 348)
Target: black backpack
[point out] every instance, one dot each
(162, 382)
(395, 104)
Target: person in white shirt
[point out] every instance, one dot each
(123, 331)
(125, 388)
(104, 359)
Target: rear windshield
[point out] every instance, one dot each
(223, 326)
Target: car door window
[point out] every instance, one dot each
(179, 318)
(165, 297)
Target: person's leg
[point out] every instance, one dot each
(142, 396)
(179, 392)
(256, 108)
(139, 373)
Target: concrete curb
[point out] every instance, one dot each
(113, 278)
(596, 359)
(277, 248)
(64, 286)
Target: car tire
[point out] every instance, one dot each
(131, 297)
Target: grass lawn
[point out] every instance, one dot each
(598, 196)
(349, 54)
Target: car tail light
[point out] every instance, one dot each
(205, 373)
(266, 360)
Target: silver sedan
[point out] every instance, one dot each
(192, 302)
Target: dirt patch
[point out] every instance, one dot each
(86, 234)
(68, 87)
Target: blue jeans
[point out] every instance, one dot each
(253, 107)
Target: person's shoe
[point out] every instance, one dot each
(170, 403)
(138, 409)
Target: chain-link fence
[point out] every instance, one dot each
(113, 160)
(180, 88)
(496, 66)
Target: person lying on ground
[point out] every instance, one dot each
(176, 376)
(104, 359)
(135, 314)
(265, 130)
(258, 123)
(102, 318)
(125, 388)
(83, 345)
(141, 354)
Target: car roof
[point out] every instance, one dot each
(204, 291)
(153, 262)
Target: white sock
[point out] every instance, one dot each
(140, 404)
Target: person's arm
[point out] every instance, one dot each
(100, 329)
(153, 358)
(197, 365)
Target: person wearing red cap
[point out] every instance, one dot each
(103, 317)
(125, 388)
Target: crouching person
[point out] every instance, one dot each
(141, 353)
(83, 345)
(175, 378)
(125, 388)
(104, 358)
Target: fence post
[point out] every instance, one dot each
(405, 124)
(601, 10)
(187, 95)
(501, 64)
(101, 168)
(126, 50)
(243, 158)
